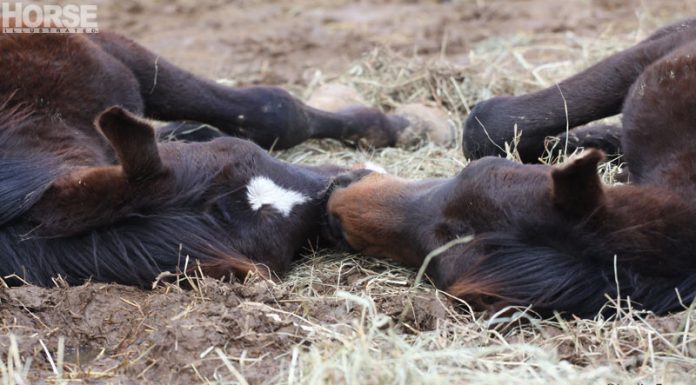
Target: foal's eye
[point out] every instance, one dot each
(449, 231)
(444, 232)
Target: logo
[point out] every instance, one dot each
(32, 18)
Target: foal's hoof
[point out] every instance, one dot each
(335, 97)
(425, 124)
(371, 128)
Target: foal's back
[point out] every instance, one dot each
(53, 87)
(659, 124)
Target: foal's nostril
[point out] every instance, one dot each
(345, 179)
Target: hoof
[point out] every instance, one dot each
(425, 123)
(335, 97)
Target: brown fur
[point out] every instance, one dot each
(555, 237)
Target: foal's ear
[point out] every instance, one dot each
(134, 142)
(577, 189)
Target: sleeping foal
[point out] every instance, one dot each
(108, 202)
(556, 238)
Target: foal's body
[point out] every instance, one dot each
(555, 237)
(111, 204)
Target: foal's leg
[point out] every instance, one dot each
(603, 137)
(267, 115)
(592, 94)
(188, 132)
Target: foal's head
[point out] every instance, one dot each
(387, 216)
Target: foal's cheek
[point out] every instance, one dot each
(370, 237)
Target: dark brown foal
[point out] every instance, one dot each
(555, 238)
(86, 191)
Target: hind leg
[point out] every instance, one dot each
(269, 116)
(592, 94)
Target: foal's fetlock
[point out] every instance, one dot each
(371, 128)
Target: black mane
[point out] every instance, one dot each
(133, 250)
(528, 270)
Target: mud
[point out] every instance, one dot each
(169, 335)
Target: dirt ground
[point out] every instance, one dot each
(338, 318)
(284, 42)
(125, 335)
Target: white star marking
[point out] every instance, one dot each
(262, 191)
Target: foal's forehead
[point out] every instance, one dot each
(243, 167)
(494, 166)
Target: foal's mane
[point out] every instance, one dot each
(25, 177)
(131, 250)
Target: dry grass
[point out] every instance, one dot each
(390, 329)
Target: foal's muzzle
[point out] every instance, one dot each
(332, 227)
